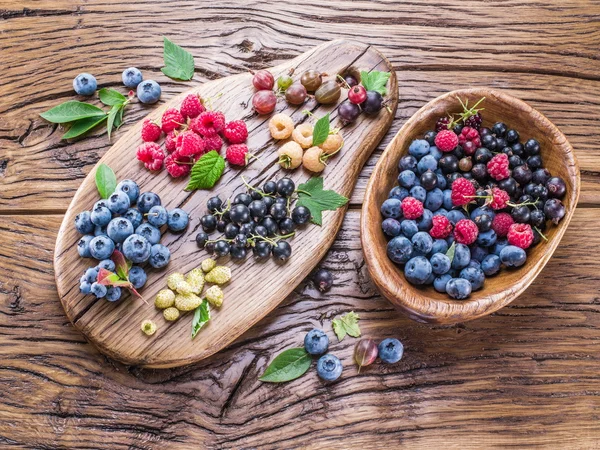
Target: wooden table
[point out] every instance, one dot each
(527, 375)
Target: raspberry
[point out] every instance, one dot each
(498, 167)
(441, 228)
(192, 106)
(151, 155)
(465, 231)
(189, 144)
(520, 234)
(499, 199)
(237, 154)
(171, 142)
(174, 165)
(442, 123)
(171, 120)
(462, 192)
(502, 223)
(208, 123)
(469, 140)
(213, 143)
(150, 131)
(412, 208)
(236, 132)
(446, 140)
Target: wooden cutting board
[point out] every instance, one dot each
(256, 287)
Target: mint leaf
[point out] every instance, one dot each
(375, 81)
(346, 324)
(110, 97)
(321, 130)
(82, 126)
(207, 171)
(201, 317)
(179, 64)
(106, 180)
(450, 252)
(71, 111)
(317, 200)
(288, 365)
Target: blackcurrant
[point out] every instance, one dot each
(535, 162)
(348, 112)
(522, 174)
(509, 185)
(482, 155)
(256, 195)
(214, 204)
(282, 251)
(323, 280)
(231, 230)
(429, 180)
(540, 176)
(514, 161)
(300, 215)
(240, 240)
(538, 218)
(521, 214)
(517, 149)
(258, 209)
(240, 214)
(247, 228)
(483, 222)
(221, 224)
(512, 136)
(278, 211)
(430, 137)
(556, 187)
(448, 164)
(238, 253)
(372, 104)
(260, 231)
(532, 147)
(268, 201)
(242, 198)
(286, 226)
(262, 249)
(479, 172)
(201, 239)
(222, 248)
(499, 129)
(554, 209)
(285, 187)
(209, 223)
(489, 142)
(270, 187)
(270, 225)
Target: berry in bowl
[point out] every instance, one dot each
(466, 205)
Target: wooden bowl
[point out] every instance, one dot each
(424, 304)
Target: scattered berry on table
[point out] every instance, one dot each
(263, 79)
(85, 84)
(329, 367)
(132, 77)
(177, 165)
(237, 154)
(152, 155)
(151, 131)
(171, 142)
(303, 135)
(323, 280)
(148, 91)
(264, 101)
(316, 342)
(171, 120)
(189, 144)
(281, 126)
(236, 132)
(390, 350)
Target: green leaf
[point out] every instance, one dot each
(71, 111)
(179, 64)
(346, 324)
(82, 126)
(375, 81)
(119, 118)
(450, 252)
(121, 265)
(112, 117)
(207, 171)
(317, 200)
(201, 317)
(321, 130)
(106, 180)
(110, 97)
(288, 365)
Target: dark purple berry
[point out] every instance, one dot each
(554, 210)
(323, 280)
(522, 174)
(556, 187)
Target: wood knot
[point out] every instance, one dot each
(246, 46)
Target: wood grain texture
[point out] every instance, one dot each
(423, 302)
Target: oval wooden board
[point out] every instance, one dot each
(256, 288)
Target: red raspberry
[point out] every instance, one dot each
(446, 140)
(151, 155)
(520, 234)
(469, 140)
(213, 143)
(171, 142)
(150, 131)
(189, 144)
(498, 167)
(208, 123)
(172, 120)
(501, 224)
(412, 208)
(175, 167)
(465, 231)
(237, 154)
(236, 132)
(441, 228)
(500, 198)
(192, 106)
(462, 192)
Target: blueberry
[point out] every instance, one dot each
(513, 256)
(85, 287)
(418, 148)
(407, 179)
(462, 256)
(83, 222)
(113, 293)
(131, 77)
(99, 290)
(435, 152)
(301, 215)
(441, 183)
(177, 219)
(148, 91)
(424, 222)
(441, 212)
(100, 231)
(101, 216)
(119, 229)
(101, 247)
(474, 275)
(85, 84)
(458, 288)
(130, 188)
(391, 208)
(390, 350)
(91, 274)
(157, 216)
(439, 283)
(481, 211)
(497, 248)
(391, 227)
(316, 342)
(439, 246)
(417, 270)
(137, 276)
(118, 202)
(159, 256)
(490, 265)
(419, 193)
(282, 251)
(409, 228)
(487, 238)
(427, 162)
(146, 201)
(440, 264)
(456, 215)
(136, 248)
(285, 187)
(134, 216)
(448, 199)
(434, 199)
(399, 250)
(407, 162)
(478, 253)
(107, 264)
(329, 367)
(422, 243)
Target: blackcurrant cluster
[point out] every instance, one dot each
(259, 219)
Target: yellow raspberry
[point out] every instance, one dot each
(332, 144)
(183, 287)
(196, 280)
(165, 299)
(313, 159)
(171, 314)
(281, 126)
(187, 302)
(214, 295)
(208, 264)
(290, 155)
(148, 327)
(219, 275)
(173, 279)
(303, 135)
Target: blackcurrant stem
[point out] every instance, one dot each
(344, 82)
(307, 112)
(541, 234)
(304, 192)
(220, 213)
(264, 194)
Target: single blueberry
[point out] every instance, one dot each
(419, 193)
(483, 210)
(419, 148)
(119, 229)
(448, 199)
(407, 162)
(148, 91)
(478, 253)
(409, 228)
(107, 264)
(439, 246)
(417, 270)
(113, 293)
(152, 234)
(100, 231)
(487, 238)
(391, 208)
(513, 256)
(399, 250)
(427, 162)
(99, 290)
(390, 350)
(101, 215)
(497, 248)
(435, 152)
(474, 275)
(398, 192)
(316, 342)
(439, 284)
(159, 256)
(85, 287)
(83, 223)
(101, 247)
(146, 201)
(462, 256)
(85, 84)
(131, 188)
(157, 216)
(422, 243)
(434, 199)
(491, 265)
(134, 216)
(136, 248)
(391, 227)
(137, 276)
(440, 263)
(177, 220)
(407, 179)
(118, 202)
(442, 183)
(458, 288)
(329, 367)
(91, 275)
(132, 77)
(424, 222)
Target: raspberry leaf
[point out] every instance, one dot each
(201, 317)
(110, 97)
(288, 365)
(71, 111)
(321, 130)
(106, 180)
(317, 200)
(82, 126)
(346, 325)
(375, 80)
(179, 64)
(207, 171)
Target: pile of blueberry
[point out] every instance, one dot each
(469, 200)
(260, 220)
(116, 224)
